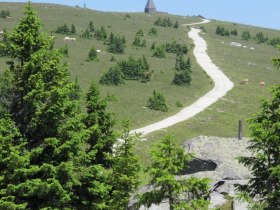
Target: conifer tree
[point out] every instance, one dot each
(47, 117)
(145, 63)
(167, 161)
(124, 176)
(183, 71)
(73, 29)
(114, 76)
(99, 123)
(92, 55)
(91, 26)
(136, 41)
(13, 160)
(157, 102)
(265, 145)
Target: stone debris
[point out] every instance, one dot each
(215, 158)
(236, 44)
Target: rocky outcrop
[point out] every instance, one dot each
(215, 158)
(223, 152)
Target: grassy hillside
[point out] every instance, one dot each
(133, 95)
(237, 62)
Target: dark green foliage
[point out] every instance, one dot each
(140, 32)
(132, 68)
(265, 146)
(276, 61)
(73, 29)
(167, 161)
(77, 93)
(159, 52)
(6, 92)
(91, 26)
(137, 41)
(182, 65)
(13, 160)
(87, 34)
(182, 78)
(22, 47)
(99, 122)
(4, 13)
(275, 41)
(64, 50)
(116, 44)
(124, 176)
(234, 32)
(175, 47)
(153, 46)
(246, 35)
(176, 24)
(113, 77)
(178, 104)
(222, 31)
(153, 32)
(166, 22)
(157, 102)
(260, 38)
(127, 16)
(145, 63)
(65, 29)
(92, 55)
(4, 44)
(42, 112)
(51, 156)
(183, 71)
(100, 34)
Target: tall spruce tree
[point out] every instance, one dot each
(265, 145)
(99, 124)
(167, 161)
(55, 171)
(13, 160)
(124, 176)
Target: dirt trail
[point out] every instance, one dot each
(221, 81)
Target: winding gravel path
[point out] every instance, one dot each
(221, 81)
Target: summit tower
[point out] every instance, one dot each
(150, 7)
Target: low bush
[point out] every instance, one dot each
(157, 102)
(113, 77)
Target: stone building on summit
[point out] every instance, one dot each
(150, 7)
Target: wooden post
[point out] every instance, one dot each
(240, 130)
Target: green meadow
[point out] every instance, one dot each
(131, 97)
(238, 63)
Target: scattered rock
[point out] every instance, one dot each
(237, 205)
(251, 64)
(217, 199)
(236, 44)
(215, 158)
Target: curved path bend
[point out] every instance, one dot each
(221, 81)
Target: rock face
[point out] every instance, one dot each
(215, 158)
(228, 172)
(222, 152)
